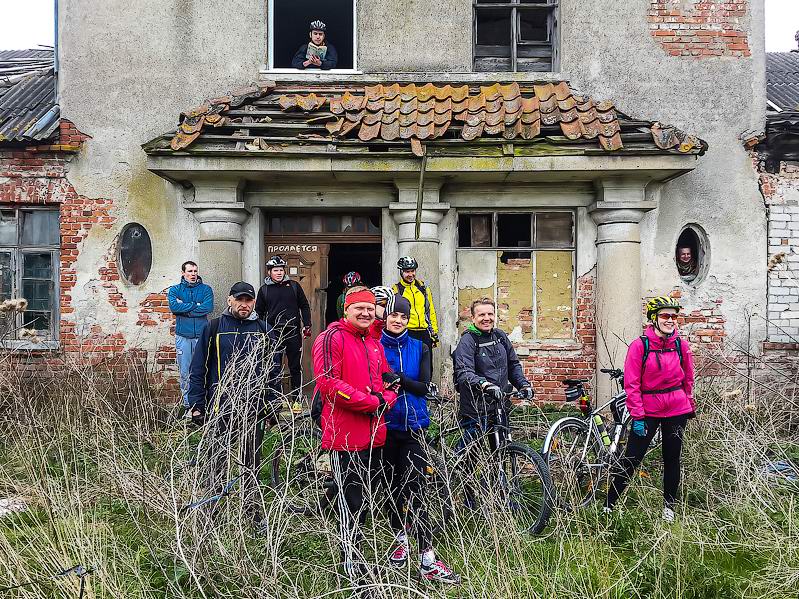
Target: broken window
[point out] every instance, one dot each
(515, 35)
(289, 28)
(529, 270)
(135, 253)
(29, 243)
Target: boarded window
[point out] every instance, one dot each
(533, 285)
(135, 253)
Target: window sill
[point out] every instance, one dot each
(525, 348)
(357, 76)
(24, 345)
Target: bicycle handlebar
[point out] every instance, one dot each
(614, 373)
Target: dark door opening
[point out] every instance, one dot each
(363, 258)
(292, 20)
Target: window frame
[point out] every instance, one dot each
(481, 52)
(494, 247)
(17, 251)
(270, 46)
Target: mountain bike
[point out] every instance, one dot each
(581, 451)
(488, 472)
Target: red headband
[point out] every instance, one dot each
(359, 296)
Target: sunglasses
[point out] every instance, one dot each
(668, 316)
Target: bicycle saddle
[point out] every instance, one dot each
(573, 382)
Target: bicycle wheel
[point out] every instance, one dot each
(525, 487)
(301, 472)
(574, 467)
(440, 494)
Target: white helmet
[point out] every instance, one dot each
(382, 294)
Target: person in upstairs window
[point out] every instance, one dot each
(318, 53)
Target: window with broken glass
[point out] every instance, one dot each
(529, 258)
(29, 247)
(515, 35)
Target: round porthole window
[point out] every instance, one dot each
(135, 253)
(692, 254)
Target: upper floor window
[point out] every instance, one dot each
(29, 242)
(515, 35)
(294, 34)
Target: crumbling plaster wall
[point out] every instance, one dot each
(721, 99)
(126, 72)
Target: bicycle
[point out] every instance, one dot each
(512, 478)
(581, 451)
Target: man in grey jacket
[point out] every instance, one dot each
(485, 363)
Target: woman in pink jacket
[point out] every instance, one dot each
(659, 381)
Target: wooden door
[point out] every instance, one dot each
(307, 264)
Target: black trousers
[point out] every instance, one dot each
(292, 347)
(358, 475)
(406, 466)
(423, 335)
(672, 430)
(247, 432)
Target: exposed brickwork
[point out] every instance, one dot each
(700, 28)
(548, 364)
(154, 310)
(781, 196)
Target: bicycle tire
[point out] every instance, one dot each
(530, 489)
(573, 482)
(305, 478)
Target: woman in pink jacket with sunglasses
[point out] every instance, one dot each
(659, 381)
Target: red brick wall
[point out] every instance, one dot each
(700, 28)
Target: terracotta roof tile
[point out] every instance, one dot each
(416, 113)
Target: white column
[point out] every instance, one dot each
(617, 212)
(222, 216)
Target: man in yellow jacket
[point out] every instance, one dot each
(422, 323)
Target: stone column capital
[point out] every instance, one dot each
(404, 214)
(220, 223)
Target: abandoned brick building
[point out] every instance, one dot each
(552, 155)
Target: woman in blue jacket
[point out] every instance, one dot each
(404, 454)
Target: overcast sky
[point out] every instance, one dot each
(27, 23)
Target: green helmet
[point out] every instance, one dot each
(656, 304)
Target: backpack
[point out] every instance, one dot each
(648, 350)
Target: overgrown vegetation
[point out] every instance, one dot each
(104, 469)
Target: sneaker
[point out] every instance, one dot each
(668, 515)
(399, 556)
(439, 572)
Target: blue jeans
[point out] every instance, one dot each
(184, 348)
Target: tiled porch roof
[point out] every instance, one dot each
(394, 117)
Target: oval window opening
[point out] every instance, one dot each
(135, 253)
(692, 254)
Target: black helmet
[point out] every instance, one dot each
(318, 26)
(407, 263)
(276, 261)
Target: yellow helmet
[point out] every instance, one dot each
(656, 304)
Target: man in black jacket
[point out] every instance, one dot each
(282, 303)
(485, 363)
(305, 60)
(235, 376)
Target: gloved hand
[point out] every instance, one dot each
(432, 389)
(198, 414)
(391, 381)
(527, 393)
(492, 391)
(435, 339)
(306, 332)
(639, 427)
(381, 406)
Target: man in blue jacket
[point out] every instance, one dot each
(235, 377)
(191, 301)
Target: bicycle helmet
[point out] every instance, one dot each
(351, 279)
(318, 26)
(276, 261)
(382, 294)
(656, 304)
(407, 263)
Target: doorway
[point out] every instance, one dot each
(364, 258)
